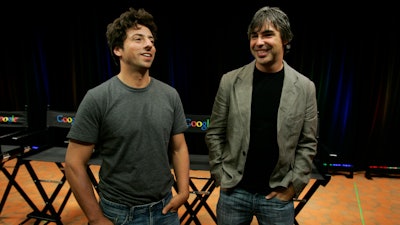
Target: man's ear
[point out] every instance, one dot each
(117, 51)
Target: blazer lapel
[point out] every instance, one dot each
(242, 91)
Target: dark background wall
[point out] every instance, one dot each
(53, 53)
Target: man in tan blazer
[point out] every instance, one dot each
(262, 132)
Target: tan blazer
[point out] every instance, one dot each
(228, 134)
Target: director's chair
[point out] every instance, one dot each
(321, 179)
(14, 130)
(202, 192)
(319, 173)
(197, 126)
(50, 147)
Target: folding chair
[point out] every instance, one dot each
(319, 173)
(197, 125)
(50, 147)
(321, 178)
(13, 127)
(202, 193)
(12, 123)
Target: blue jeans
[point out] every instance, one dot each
(237, 207)
(148, 214)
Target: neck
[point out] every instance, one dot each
(271, 67)
(135, 80)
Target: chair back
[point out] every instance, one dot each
(58, 124)
(194, 135)
(12, 123)
(197, 127)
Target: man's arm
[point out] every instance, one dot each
(181, 166)
(76, 159)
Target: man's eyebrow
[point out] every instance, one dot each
(266, 31)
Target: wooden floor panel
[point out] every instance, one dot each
(343, 201)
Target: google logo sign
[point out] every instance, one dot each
(65, 119)
(198, 122)
(9, 119)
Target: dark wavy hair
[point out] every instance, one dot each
(116, 31)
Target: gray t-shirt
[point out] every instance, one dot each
(131, 129)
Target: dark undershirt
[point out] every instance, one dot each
(263, 148)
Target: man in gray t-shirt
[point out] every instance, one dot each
(134, 122)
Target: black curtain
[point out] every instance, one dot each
(54, 52)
